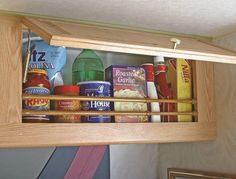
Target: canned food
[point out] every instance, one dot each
(37, 84)
(67, 105)
(99, 89)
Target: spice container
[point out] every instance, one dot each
(37, 84)
(67, 105)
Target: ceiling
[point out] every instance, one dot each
(199, 17)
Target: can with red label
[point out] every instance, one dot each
(37, 84)
(67, 105)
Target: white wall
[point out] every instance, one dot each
(218, 155)
(137, 161)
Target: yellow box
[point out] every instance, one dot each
(180, 78)
(184, 88)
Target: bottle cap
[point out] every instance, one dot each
(158, 59)
(149, 71)
(35, 70)
(148, 66)
(66, 89)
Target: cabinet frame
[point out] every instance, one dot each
(13, 133)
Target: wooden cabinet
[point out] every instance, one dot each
(13, 133)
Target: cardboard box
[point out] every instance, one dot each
(128, 82)
(180, 77)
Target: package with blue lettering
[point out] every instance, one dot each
(50, 58)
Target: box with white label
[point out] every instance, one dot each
(128, 82)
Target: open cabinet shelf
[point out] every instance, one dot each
(14, 133)
(64, 134)
(77, 35)
(109, 99)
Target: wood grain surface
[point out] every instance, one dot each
(205, 91)
(126, 41)
(10, 69)
(13, 133)
(115, 99)
(96, 113)
(175, 173)
(36, 135)
(213, 156)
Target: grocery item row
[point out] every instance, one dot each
(164, 79)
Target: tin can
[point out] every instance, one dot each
(99, 89)
(67, 105)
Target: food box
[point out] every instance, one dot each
(128, 82)
(180, 77)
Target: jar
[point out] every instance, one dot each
(67, 105)
(37, 84)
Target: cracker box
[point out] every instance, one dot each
(180, 77)
(128, 82)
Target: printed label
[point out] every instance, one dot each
(128, 82)
(36, 104)
(38, 60)
(67, 105)
(95, 89)
(96, 105)
(96, 119)
(184, 88)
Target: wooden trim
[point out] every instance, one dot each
(95, 113)
(194, 89)
(77, 35)
(114, 99)
(45, 135)
(174, 173)
(10, 69)
(215, 45)
(16, 134)
(39, 31)
(141, 50)
(205, 91)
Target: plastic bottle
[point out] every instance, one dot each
(163, 89)
(152, 92)
(87, 67)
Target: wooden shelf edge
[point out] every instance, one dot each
(54, 34)
(40, 31)
(141, 50)
(48, 135)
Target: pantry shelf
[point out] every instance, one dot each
(78, 35)
(14, 133)
(42, 135)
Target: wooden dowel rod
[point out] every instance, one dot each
(108, 113)
(111, 99)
